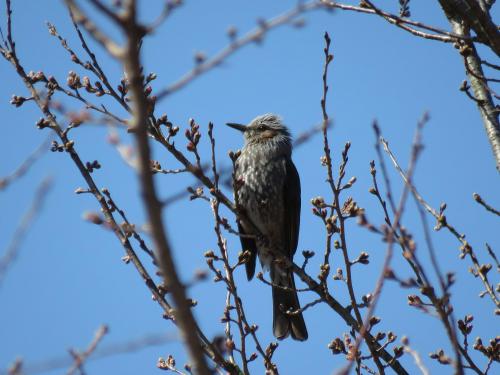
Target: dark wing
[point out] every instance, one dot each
(248, 244)
(292, 207)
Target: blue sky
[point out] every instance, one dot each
(69, 278)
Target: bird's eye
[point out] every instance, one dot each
(262, 127)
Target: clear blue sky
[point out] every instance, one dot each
(69, 278)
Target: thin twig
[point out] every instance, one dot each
(439, 34)
(466, 248)
(129, 227)
(336, 190)
(107, 11)
(415, 151)
(26, 164)
(385, 174)
(418, 360)
(96, 66)
(326, 146)
(442, 305)
(103, 351)
(493, 256)
(252, 36)
(167, 10)
(443, 309)
(488, 207)
(88, 105)
(80, 358)
(12, 250)
(99, 36)
(445, 300)
(347, 317)
(490, 65)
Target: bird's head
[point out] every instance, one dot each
(266, 128)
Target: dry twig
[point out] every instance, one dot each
(81, 358)
(12, 250)
(25, 165)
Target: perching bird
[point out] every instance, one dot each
(269, 193)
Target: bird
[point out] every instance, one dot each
(267, 190)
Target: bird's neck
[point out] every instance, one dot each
(270, 148)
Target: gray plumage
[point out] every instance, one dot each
(270, 198)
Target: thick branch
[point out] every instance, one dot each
(183, 313)
(10, 55)
(484, 101)
(479, 20)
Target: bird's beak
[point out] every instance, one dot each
(239, 127)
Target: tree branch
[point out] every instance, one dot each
(12, 250)
(139, 124)
(25, 165)
(252, 36)
(484, 101)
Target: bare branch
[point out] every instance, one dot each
(444, 306)
(80, 358)
(469, 14)
(102, 351)
(251, 37)
(21, 170)
(96, 66)
(168, 8)
(440, 35)
(103, 8)
(493, 256)
(466, 248)
(139, 124)
(81, 18)
(336, 207)
(50, 121)
(26, 222)
(418, 360)
(482, 94)
(489, 208)
(415, 151)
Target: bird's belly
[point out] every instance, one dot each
(261, 197)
